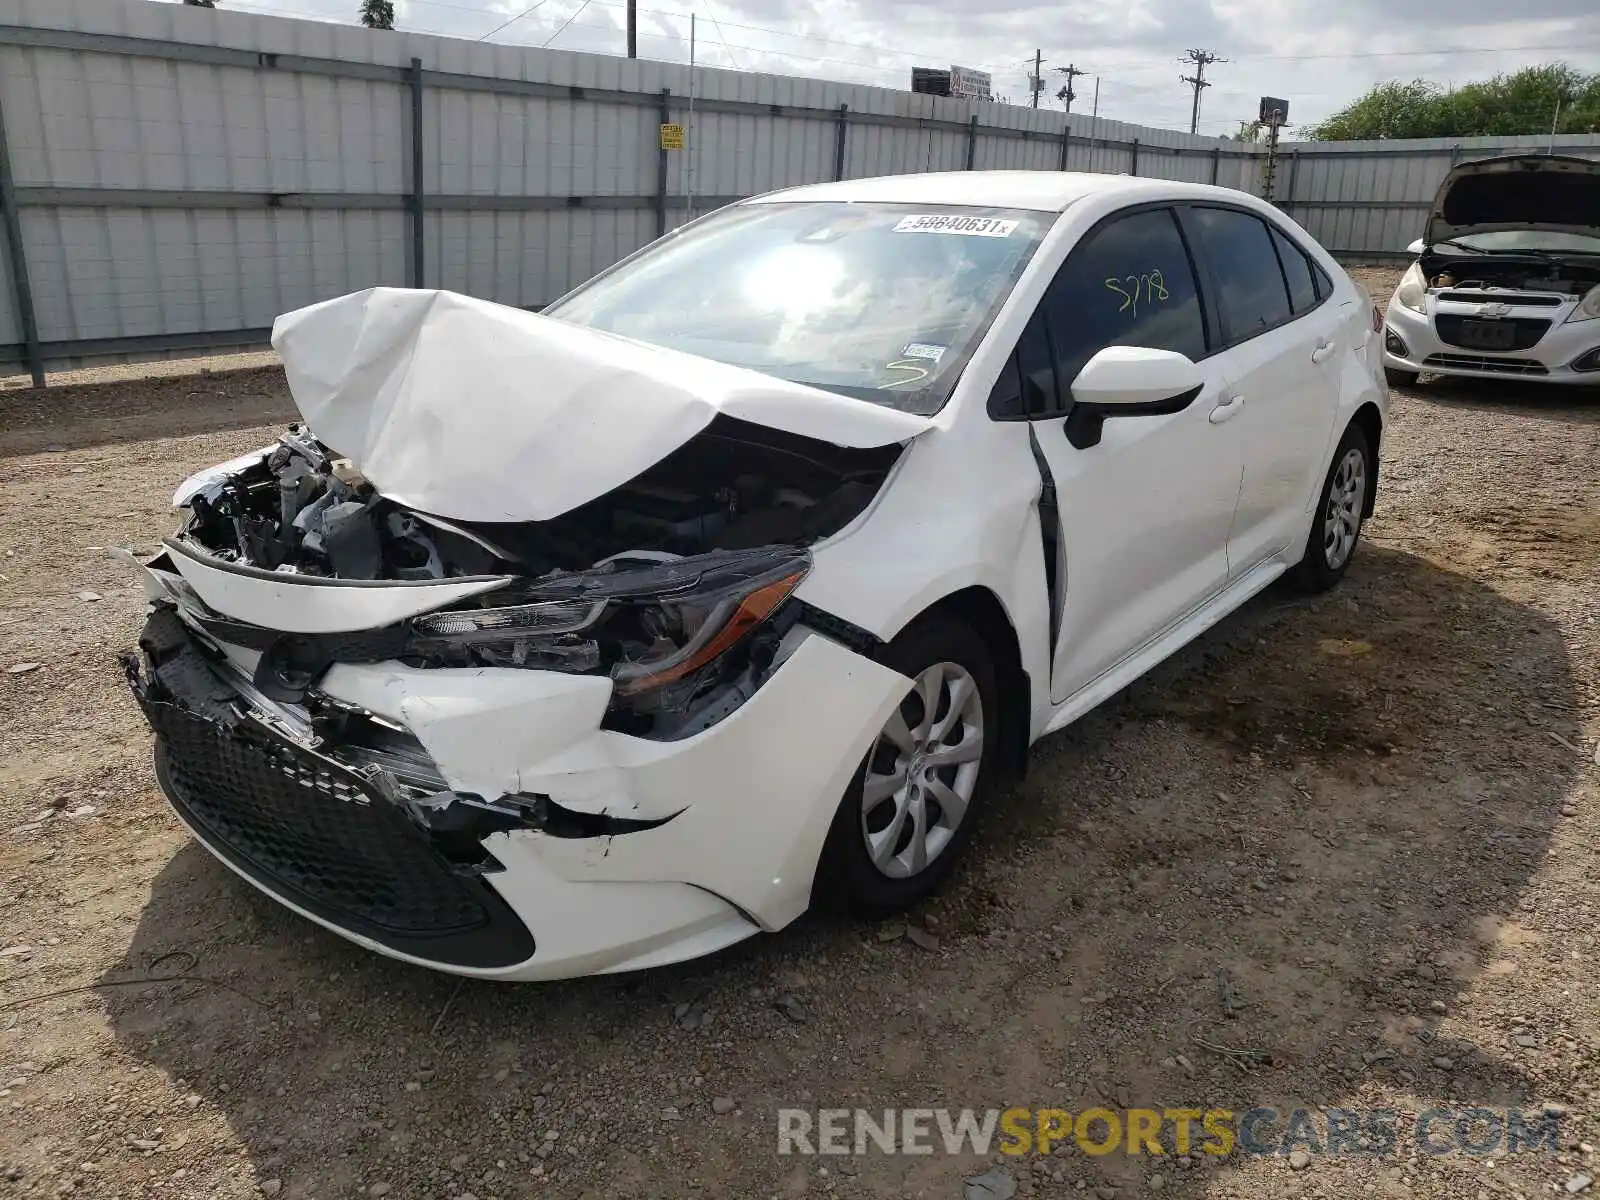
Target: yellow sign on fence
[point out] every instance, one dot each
(672, 137)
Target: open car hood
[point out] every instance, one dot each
(1524, 191)
(479, 412)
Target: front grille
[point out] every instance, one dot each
(1479, 362)
(1517, 299)
(313, 830)
(1526, 331)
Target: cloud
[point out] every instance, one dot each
(1286, 48)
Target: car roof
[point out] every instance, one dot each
(1043, 191)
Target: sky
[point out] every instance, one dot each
(1295, 49)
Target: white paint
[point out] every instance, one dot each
(295, 605)
(479, 412)
(1148, 548)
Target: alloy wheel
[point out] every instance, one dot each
(1342, 520)
(922, 771)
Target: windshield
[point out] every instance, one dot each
(883, 302)
(1514, 240)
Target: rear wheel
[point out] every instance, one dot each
(1400, 379)
(1336, 527)
(908, 813)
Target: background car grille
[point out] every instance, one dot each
(1528, 330)
(1479, 362)
(312, 831)
(1515, 298)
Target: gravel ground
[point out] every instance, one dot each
(1378, 812)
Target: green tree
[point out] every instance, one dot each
(1524, 102)
(377, 14)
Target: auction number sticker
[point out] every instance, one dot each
(946, 223)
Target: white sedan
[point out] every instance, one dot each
(603, 638)
(1506, 280)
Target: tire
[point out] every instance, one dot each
(1400, 379)
(848, 877)
(1336, 524)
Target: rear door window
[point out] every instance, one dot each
(1236, 247)
(1297, 271)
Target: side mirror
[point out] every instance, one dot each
(1129, 381)
(1416, 248)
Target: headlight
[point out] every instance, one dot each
(1413, 289)
(662, 628)
(1588, 308)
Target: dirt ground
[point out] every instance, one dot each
(1377, 811)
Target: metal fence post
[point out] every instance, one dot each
(972, 141)
(1066, 141)
(841, 132)
(418, 236)
(21, 287)
(1133, 147)
(665, 114)
(1216, 163)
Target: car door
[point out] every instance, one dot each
(1141, 518)
(1279, 353)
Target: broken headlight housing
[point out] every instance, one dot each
(665, 629)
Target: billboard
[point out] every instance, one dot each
(967, 84)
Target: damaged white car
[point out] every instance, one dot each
(603, 638)
(1507, 277)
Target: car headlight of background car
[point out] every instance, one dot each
(667, 630)
(1413, 289)
(1588, 308)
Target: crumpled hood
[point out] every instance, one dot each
(1524, 191)
(479, 412)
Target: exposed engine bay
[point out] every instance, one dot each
(674, 584)
(1565, 275)
(303, 510)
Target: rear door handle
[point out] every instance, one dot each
(1320, 354)
(1226, 410)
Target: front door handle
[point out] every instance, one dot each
(1320, 354)
(1226, 410)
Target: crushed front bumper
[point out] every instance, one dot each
(313, 831)
(723, 829)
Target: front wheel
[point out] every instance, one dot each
(908, 812)
(1397, 378)
(1336, 525)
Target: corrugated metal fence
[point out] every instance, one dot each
(172, 178)
(1368, 200)
(178, 177)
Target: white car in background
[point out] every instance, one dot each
(603, 638)
(1507, 276)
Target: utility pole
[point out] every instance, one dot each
(1036, 80)
(633, 28)
(1095, 114)
(1066, 95)
(1201, 60)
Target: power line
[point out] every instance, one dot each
(1201, 60)
(578, 12)
(722, 37)
(530, 9)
